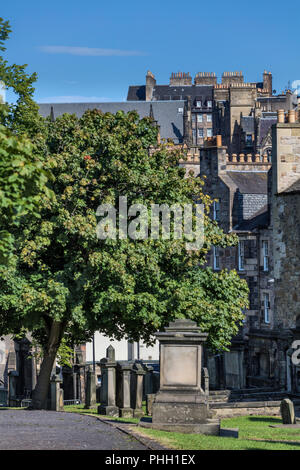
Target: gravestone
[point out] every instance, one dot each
(56, 394)
(148, 380)
(124, 371)
(108, 385)
(90, 390)
(13, 377)
(287, 411)
(149, 402)
(181, 404)
(137, 379)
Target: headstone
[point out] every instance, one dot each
(182, 403)
(108, 385)
(90, 391)
(123, 389)
(149, 402)
(148, 380)
(56, 394)
(205, 380)
(287, 411)
(137, 379)
(13, 377)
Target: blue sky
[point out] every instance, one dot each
(92, 51)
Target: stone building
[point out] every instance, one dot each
(240, 111)
(243, 167)
(259, 201)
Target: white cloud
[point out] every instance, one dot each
(73, 99)
(87, 51)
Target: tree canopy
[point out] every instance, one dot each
(65, 278)
(22, 177)
(62, 280)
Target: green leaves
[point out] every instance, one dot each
(120, 287)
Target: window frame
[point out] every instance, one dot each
(216, 258)
(267, 308)
(265, 254)
(241, 255)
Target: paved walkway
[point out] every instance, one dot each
(48, 430)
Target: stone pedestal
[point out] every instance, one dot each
(182, 403)
(108, 385)
(90, 391)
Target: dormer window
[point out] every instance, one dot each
(198, 104)
(209, 104)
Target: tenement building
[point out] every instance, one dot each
(242, 112)
(260, 203)
(246, 142)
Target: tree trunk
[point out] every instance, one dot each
(40, 393)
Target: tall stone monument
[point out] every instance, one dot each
(108, 385)
(181, 403)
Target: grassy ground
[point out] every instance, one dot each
(254, 433)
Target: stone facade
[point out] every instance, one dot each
(241, 112)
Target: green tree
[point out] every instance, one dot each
(22, 177)
(65, 281)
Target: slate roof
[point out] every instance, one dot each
(167, 92)
(293, 189)
(165, 112)
(250, 182)
(259, 220)
(247, 123)
(265, 126)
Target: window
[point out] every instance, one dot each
(209, 132)
(249, 139)
(209, 118)
(193, 117)
(180, 110)
(198, 104)
(194, 136)
(199, 118)
(216, 210)
(209, 104)
(200, 133)
(241, 259)
(216, 257)
(265, 247)
(267, 308)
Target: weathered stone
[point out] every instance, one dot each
(137, 379)
(287, 411)
(90, 391)
(181, 403)
(123, 389)
(108, 386)
(56, 402)
(149, 402)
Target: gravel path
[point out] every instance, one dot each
(48, 430)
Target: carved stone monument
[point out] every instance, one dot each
(181, 403)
